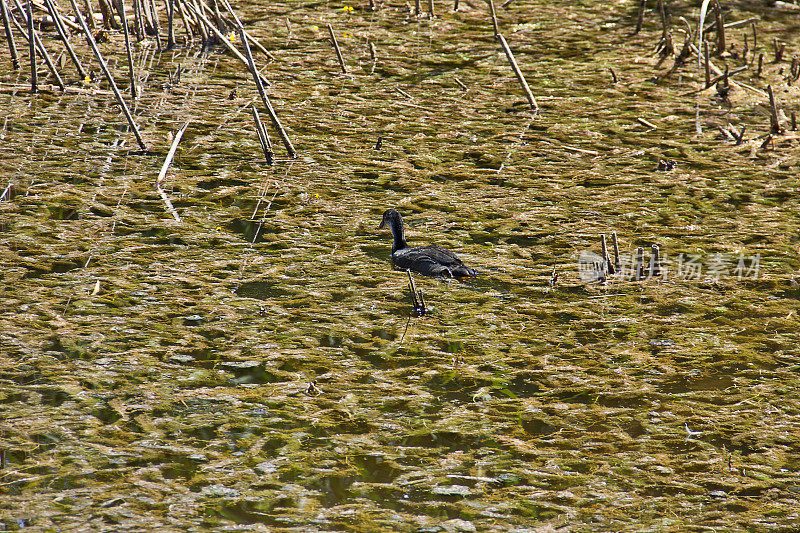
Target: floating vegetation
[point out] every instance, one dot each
(224, 345)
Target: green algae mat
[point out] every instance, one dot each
(256, 366)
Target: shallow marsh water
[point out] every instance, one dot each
(256, 365)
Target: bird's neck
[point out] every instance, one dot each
(399, 236)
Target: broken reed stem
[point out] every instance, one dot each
(121, 10)
(608, 265)
(12, 47)
(109, 22)
(706, 62)
(373, 54)
(691, 47)
(760, 64)
(720, 28)
(156, 25)
(140, 19)
(745, 49)
(88, 7)
(62, 33)
(494, 18)
(779, 48)
(136, 30)
(774, 125)
(518, 72)
(225, 41)
(170, 6)
(336, 47)
(431, 13)
(37, 43)
(613, 75)
(217, 15)
(165, 166)
(614, 243)
(201, 29)
(250, 39)
(109, 77)
(264, 98)
(263, 136)
(638, 269)
(740, 135)
(31, 45)
(186, 21)
(663, 13)
(725, 75)
(147, 17)
(639, 17)
(655, 261)
(646, 123)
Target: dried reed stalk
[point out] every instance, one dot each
(264, 98)
(37, 42)
(373, 54)
(163, 173)
(609, 266)
(31, 46)
(170, 7)
(155, 23)
(12, 47)
(88, 5)
(226, 42)
(774, 124)
(109, 77)
(518, 72)
(138, 20)
(494, 18)
(58, 21)
(250, 39)
(263, 136)
(720, 28)
(639, 17)
(655, 261)
(638, 269)
(120, 6)
(779, 48)
(336, 47)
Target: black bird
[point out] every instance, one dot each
(429, 260)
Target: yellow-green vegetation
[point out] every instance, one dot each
(257, 364)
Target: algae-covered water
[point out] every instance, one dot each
(256, 366)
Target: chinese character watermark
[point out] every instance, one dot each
(593, 267)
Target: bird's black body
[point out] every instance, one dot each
(429, 260)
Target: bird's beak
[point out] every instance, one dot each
(383, 224)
